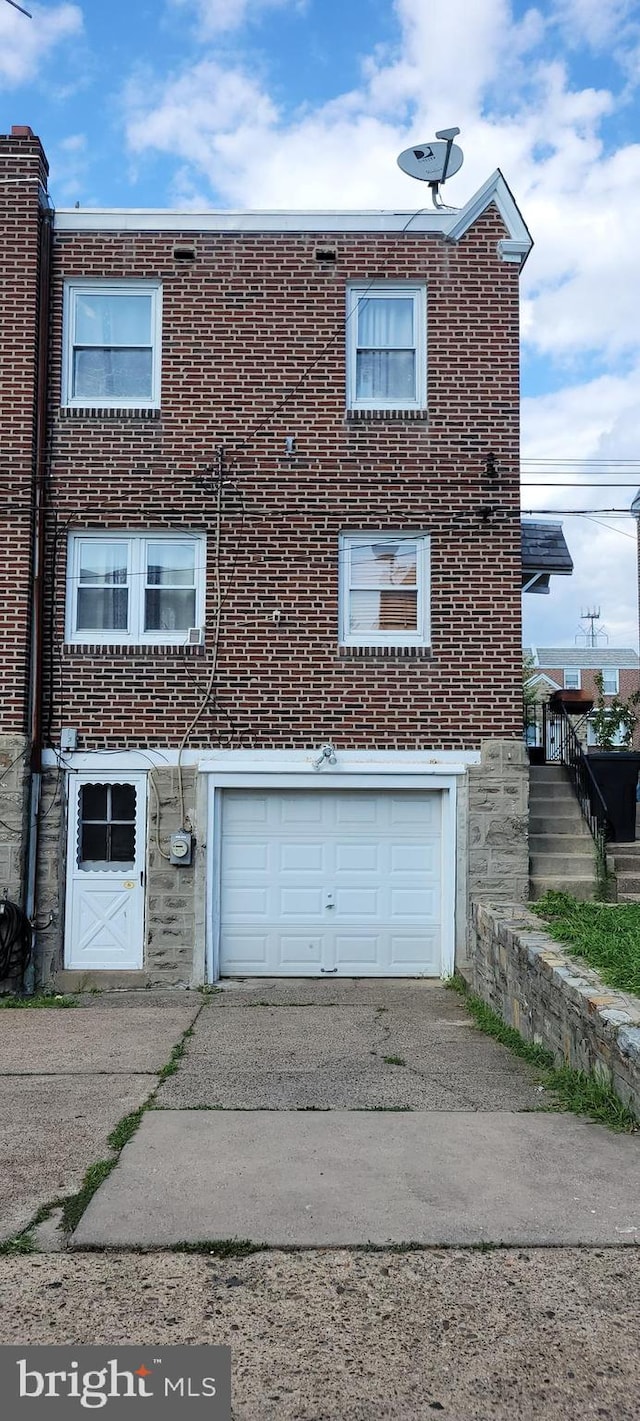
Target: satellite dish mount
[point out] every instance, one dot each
(433, 163)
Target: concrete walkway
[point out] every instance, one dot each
(314, 1113)
(66, 1078)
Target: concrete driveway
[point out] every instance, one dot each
(354, 1113)
(66, 1078)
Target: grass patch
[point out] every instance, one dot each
(74, 1206)
(577, 1091)
(607, 936)
(125, 1129)
(43, 999)
(176, 1056)
(493, 1025)
(394, 1060)
(18, 1245)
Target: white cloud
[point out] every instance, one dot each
(598, 420)
(219, 16)
(26, 44)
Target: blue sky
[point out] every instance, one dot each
(285, 103)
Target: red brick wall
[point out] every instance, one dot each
(628, 681)
(241, 325)
(22, 169)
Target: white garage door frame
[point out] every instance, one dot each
(374, 775)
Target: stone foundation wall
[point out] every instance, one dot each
(553, 999)
(14, 810)
(498, 832)
(173, 957)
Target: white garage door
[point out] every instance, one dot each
(338, 882)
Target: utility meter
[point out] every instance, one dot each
(180, 847)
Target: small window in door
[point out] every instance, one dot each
(107, 828)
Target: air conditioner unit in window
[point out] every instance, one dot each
(195, 636)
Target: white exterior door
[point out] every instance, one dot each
(105, 873)
(331, 882)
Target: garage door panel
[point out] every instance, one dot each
(405, 859)
(415, 809)
(302, 902)
(300, 951)
(357, 858)
(357, 903)
(330, 880)
(363, 950)
(242, 902)
(301, 809)
(248, 857)
(296, 858)
(413, 903)
(420, 951)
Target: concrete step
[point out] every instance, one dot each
(564, 844)
(628, 897)
(628, 883)
(547, 772)
(551, 789)
(581, 888)
(625, 863)
(568, 865)
(563, 824)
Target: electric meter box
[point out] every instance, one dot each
(180, 847)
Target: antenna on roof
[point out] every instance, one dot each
(592, 635)
(433, 163)
(20, 8)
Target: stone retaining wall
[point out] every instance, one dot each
(553, 999)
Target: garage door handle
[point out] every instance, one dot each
(328, 970)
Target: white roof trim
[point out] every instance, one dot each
(496, 190)
(448, 223)
(141, 219)
(541, 676)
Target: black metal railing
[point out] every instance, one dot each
(551, 739)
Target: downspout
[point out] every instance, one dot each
(40, 472)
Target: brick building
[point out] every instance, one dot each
(279, 665)
(574, 668)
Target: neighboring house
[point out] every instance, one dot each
(575, 668)
(278, 674)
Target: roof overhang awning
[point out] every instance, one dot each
(544, 555)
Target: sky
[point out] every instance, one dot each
(306, 103)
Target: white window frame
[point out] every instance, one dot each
(422, 635)
(359, 291)
(614, 672)
(137, 544)
(618, 739)
(572, 679)
(82, 286)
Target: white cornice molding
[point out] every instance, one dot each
(496, 190)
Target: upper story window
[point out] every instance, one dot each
(384, 590)
(611, 681)
(387, 346)
(135, 588)
(112, 344)
(572, 680)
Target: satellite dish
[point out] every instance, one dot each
(433, 162)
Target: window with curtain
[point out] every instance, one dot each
(135, 587)
(112, 344)
(386, 346)
(610, 682)
(384, 589)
